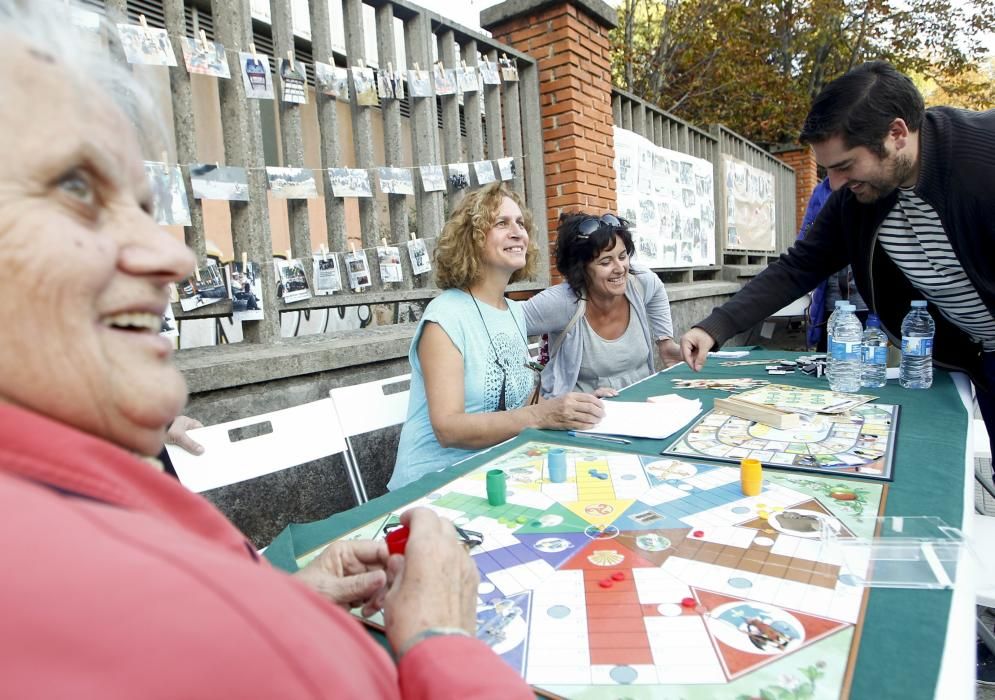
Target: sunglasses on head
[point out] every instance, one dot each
(592, 224)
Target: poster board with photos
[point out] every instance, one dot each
(750, 207)
(670, 199)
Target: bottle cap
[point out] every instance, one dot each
(919, 304)
(840, 302)
(873, 321)
(849, 307)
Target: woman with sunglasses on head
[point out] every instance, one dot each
(607, 318)
(472, 385)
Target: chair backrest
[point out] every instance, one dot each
(363, 408)
(250, 447)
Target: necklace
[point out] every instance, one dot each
(536, 367)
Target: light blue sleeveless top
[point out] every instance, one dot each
(419, 452)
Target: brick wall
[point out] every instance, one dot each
(573, 53)
(806, 178)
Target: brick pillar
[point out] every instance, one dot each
(802, 160)
(569, 39)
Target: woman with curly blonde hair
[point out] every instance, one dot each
(471, 381)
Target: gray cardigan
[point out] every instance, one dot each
(551, 310)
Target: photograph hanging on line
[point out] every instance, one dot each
(433, 179)
(350, 182)
(396, 181)
(357, 268)
(291, 282)
(509, 71)
(170, 328)
(291, 183)
(169, 196)
(389, 261)
(466, 77)
(332, 80)
(326, 273)
(420, 83)
(205, 58)
(484, 172)
(444, 79)
(366, 86)
(146, 46)
(489, 73)
(209, 289)
(459, 175)
(256, 77)
(389, 85)
(246, 289)
(506, 168)
(292, 81)
(211, 181)
(418, 252)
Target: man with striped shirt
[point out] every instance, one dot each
(913, 213)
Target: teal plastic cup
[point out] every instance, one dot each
(556, 462)
(497, 487)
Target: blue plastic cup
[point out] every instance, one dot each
(556, 461)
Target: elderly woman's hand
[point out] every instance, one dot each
(573, 411)
(349, 573)
(433, 584)
(669, 351)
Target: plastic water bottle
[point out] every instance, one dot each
(844, 354)
(916, 371)
(830, 325)
(874, 359)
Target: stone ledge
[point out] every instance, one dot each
(600, 11)
(684, 291)
(226, 366)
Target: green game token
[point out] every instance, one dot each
(502, 521)
(522, 519)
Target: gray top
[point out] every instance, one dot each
(550, 312)
(612, 363)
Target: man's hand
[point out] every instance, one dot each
(695, 345)
(350, 573)
(177, 434)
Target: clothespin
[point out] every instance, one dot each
(165, 157)
(463, 63)
(417, 69)
(352, 246)
(390, 68)
(142, 21)
(360, 63)
(196, 272)
(383, 241)
(413, 236)
(203, 39)
(289, 256)
(290, 57)
(324, 251)
(252, 50)
(245, 262)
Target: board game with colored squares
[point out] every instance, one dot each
(660, 576)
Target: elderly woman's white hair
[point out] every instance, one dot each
(93, 56)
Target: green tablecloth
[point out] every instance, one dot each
(904, 630)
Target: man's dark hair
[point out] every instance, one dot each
(861, 105)
(575, 250)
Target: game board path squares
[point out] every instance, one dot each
(554, 547)
(555, 520)
(748, 634)
(558, 651)
(474, 506)
(512, 570)
(502, 623)
(616, 632)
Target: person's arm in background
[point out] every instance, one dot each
(549, 311)
(795, 272)
(177, 434)
(442, 366)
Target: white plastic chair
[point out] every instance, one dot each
(244, 449)
(798, 309)
(363, 408)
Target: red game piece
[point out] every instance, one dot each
(699, 533)
(397, 540)
(689, 603)
(618, 576)
(606, 583)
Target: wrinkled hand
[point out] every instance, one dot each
(669, 351)
(434, 584)
(573, 411)
(350, 573)
(177, 434)
(605, 392)
(695, 345)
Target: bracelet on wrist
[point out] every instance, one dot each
(431, 632)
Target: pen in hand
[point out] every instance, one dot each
(605, 438)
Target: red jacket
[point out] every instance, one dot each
(119, 583)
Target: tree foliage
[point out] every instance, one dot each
(755, 65)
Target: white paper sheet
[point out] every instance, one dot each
(655, 420)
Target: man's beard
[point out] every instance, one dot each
(896, 171)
